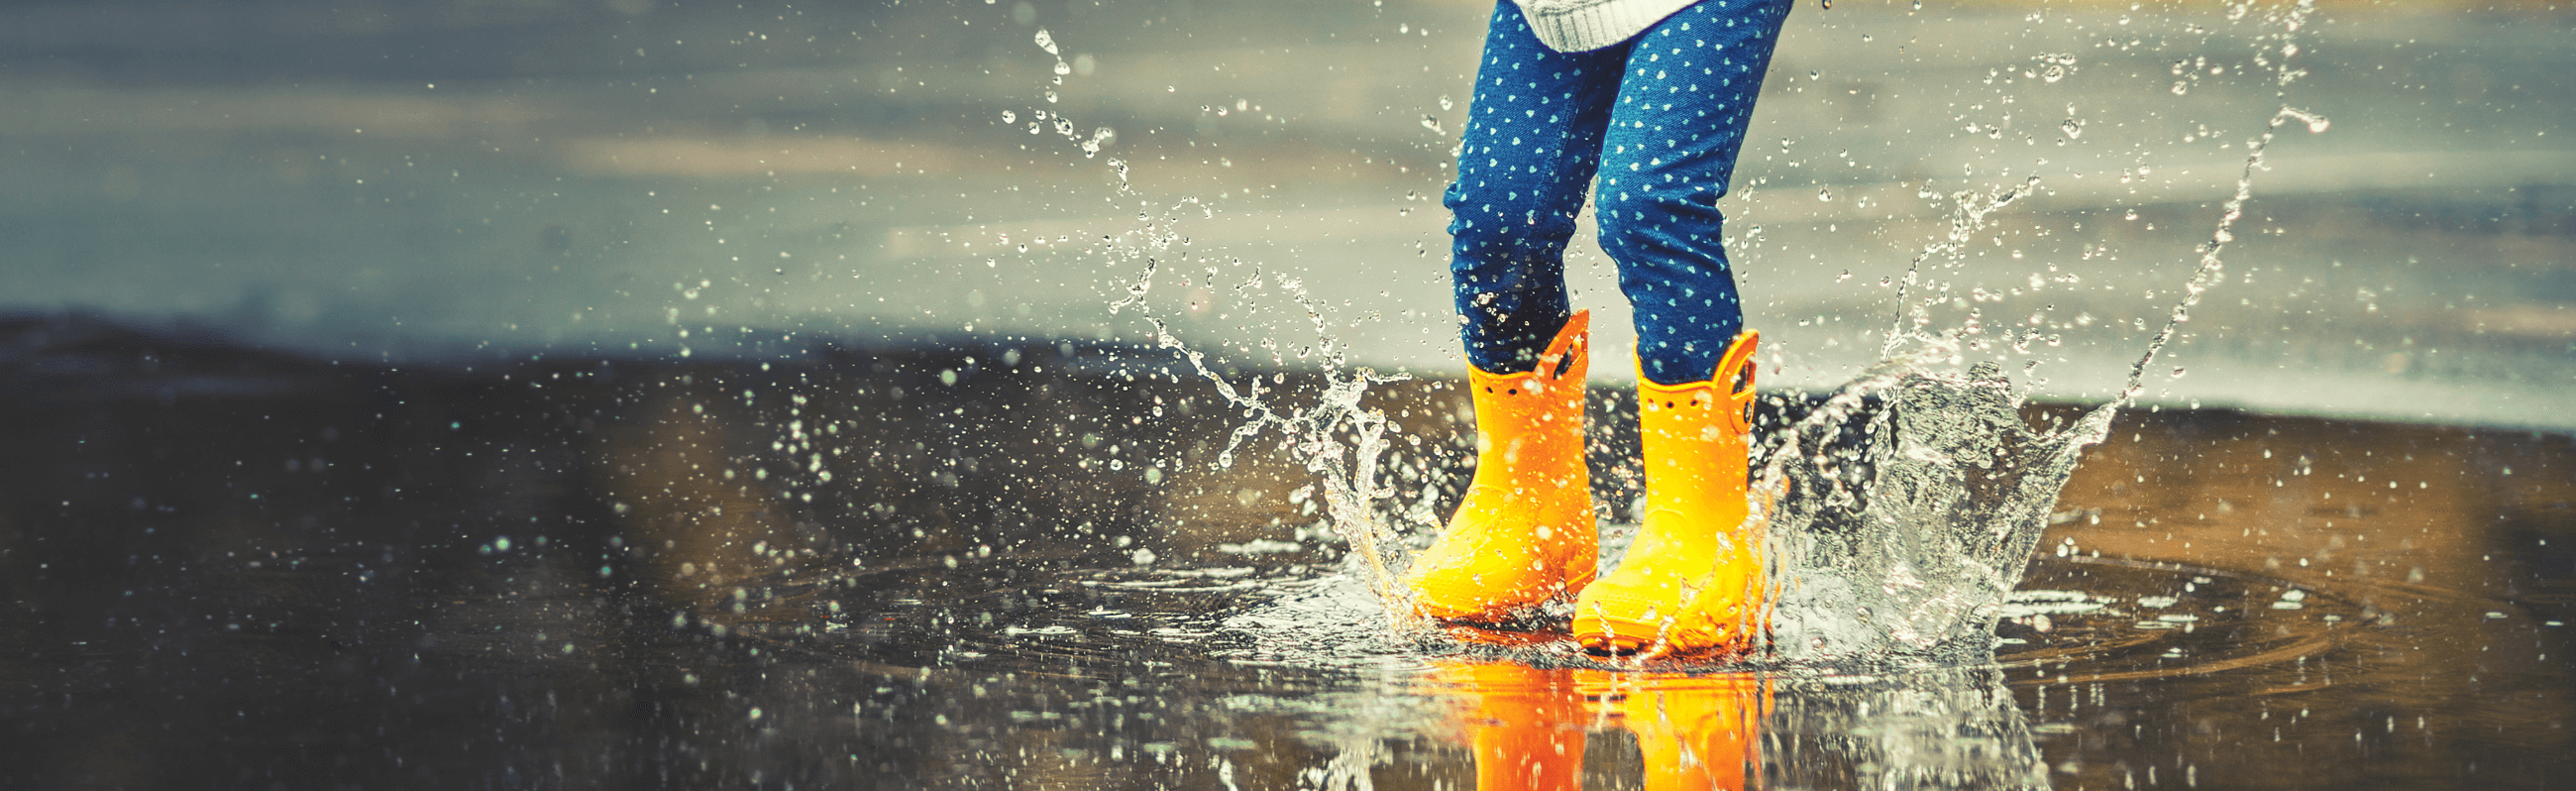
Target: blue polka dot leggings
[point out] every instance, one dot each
(1659, 120)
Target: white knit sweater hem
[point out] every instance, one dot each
(1580, 26)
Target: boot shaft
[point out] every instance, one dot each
(1531, 424)
(1696, 439)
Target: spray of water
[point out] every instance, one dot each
(2211, 270)
(1905, 506)
(1967, 216)
(1342, 443)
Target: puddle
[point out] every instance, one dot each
(611, 572)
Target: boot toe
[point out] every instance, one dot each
(1644, 620)
(1466, 594)
(1619, 621)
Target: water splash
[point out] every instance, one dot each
(2211, 270)
(1968, 215)
(1342, 443)
(1339, 441)
(1041, 120)
(1904, 509)
(1905, 506)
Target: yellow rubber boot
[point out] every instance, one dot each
(1693, 582)
(1524, 534)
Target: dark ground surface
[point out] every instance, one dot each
(232, 567)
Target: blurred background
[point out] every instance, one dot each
(466, 180)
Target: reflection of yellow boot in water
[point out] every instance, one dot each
(1526, 724)
(1693, 733)
(1524, 534)
(1693, 581)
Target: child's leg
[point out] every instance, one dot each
(1694, 578)
(1523, 535)
(1684, 102)
(1533, 138)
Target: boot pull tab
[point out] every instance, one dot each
(1739, 383)
(1568, 355)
